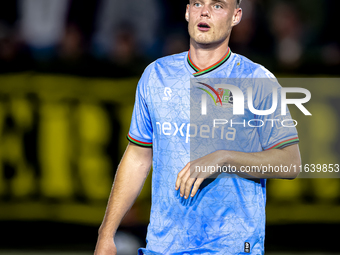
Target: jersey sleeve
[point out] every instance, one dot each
(141, 131)
(275, 130)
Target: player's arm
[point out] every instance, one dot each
(286, 161)
(285, 158)
(130, 177)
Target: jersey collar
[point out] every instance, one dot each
(199, 71)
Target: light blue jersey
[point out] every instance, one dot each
(227, 215)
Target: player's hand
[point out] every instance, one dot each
(187, 179)
(105, 246)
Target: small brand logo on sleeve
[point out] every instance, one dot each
(167, 94)
(247, 247)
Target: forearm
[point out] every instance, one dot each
(258, 161)
(129, 180)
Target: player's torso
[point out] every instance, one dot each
(174, 102)
(175, 223)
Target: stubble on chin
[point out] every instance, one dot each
(201, 38)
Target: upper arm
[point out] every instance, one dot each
(291, 158)
(293, 154)
(139, 151)
(141, 130)
(275, 130)
(137, 157)
(143, 153)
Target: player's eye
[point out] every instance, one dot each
(217, 6)
(197, 4)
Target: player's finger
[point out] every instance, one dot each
(184, 179)
(180, 176)
(188, 186)
(192, 178)
(196, 186)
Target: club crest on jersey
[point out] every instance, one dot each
(221, 96)
(226, 97)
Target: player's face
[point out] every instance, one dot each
(211, 21)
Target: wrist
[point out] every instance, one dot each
(106, 232)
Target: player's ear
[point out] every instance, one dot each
(237, 16)
(187, 13)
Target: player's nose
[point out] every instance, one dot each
(205, 12)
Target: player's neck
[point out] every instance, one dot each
(205, 56)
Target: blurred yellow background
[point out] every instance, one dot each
(61, 139)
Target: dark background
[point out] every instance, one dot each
(118, 38)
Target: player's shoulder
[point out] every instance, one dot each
(253, 69)
(168, 66)
(172, 60)
(257, 76)
(171, 65)
(165, 64)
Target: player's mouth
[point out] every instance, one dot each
(202, 26)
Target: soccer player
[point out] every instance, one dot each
(192, 213)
